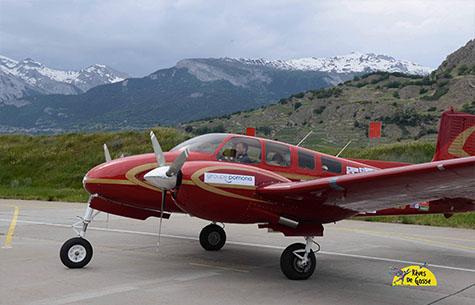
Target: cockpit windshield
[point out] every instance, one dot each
(206, 143)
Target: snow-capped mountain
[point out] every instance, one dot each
(28, 77)
(12, 89)
(351, 63)
(193, 89)
(244, 72)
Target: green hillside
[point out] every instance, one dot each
(409, 108)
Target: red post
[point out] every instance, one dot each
(251, 131)
(374, 130)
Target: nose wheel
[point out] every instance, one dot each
(212, 237)
(76, 253)
(298, 261)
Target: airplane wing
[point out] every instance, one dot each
(384, 188)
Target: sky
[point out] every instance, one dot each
(140, 37)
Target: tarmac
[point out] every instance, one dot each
(355, 265)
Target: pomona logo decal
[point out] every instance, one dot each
(230, 179)
(356, 170)
(414, 276)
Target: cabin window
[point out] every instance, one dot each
(242, 150)
(331, 165)
(277, 154)
(206, 143)
(306, 160)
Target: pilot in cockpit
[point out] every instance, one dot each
(241, 153)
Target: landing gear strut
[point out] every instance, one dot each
(298, 261)
(77, 252)
(212, 237)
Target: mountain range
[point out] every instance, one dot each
(21, 79)
(192, 89)
(351, 63)
(409, 107)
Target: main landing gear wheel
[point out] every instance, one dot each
(76, 253)
(297, 262)
(212, 237)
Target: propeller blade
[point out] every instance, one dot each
(107, 155)
(157, 149)
(108, 158)
(162, 207)
(178, 163)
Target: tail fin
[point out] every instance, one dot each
(456, 136)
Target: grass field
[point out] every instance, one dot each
(52, 167)
(462, 220)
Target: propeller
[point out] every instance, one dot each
(164, 176)
(108, 158)
(177, 164)
(162, 207)
(107, 155)
(157, 149)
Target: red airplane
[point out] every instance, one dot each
(231, 178)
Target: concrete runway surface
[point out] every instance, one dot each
(354, 266)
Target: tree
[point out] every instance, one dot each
(463, 69)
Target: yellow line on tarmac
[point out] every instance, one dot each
(11, 229)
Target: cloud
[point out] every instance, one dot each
(139, 37)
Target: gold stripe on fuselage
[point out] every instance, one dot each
(188, 182)
(108, 181)
(456, 148)
(130, 175)
(121, 181)
(296, 176)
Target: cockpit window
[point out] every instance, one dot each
(206, 143)
(277, 154)
(242, 150)
(306, 159)
(331, 165)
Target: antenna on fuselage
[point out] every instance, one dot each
(343, 149)
(304, 138)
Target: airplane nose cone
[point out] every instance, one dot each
(100, 174)
(90, 180)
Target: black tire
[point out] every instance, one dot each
(212, 237)
(289, 263)
(76, 253)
